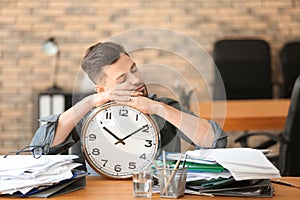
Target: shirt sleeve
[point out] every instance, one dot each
(220, 139)
(45, 134)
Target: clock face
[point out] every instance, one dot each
(119, 140)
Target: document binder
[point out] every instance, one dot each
(246, 188)
(77, 182)
(61, 188)
(227, 172)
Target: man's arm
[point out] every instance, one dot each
(68, 119)
(196, 129)
(58, 127)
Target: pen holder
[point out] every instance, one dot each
(172, 182)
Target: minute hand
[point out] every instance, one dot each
(131, 134)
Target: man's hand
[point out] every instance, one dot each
(144, 104)
(120, 96)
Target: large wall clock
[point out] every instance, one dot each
(118, 140)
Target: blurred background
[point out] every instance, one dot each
(26, 70)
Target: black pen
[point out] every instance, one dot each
(284, 183)
(184, 161)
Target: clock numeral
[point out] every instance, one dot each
(117, 168)
(96, 152)
(108, 115)
(123, 112)
(146, 129)
(132, 165)
(143, 156)
(137, 117)
(92, 137)
(104, 162)
(149, 143)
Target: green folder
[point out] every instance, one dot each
(196, 167)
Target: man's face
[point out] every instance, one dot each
(124, 75)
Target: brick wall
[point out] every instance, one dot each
(26, 24)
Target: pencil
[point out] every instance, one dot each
(172, 175)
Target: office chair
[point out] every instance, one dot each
(288, 160)
(245, 67)
(290, 63)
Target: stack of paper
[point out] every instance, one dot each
(231, 172)
(242, 163)
(23, 173)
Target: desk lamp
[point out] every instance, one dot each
(50, 47)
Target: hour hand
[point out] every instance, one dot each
(116, 137)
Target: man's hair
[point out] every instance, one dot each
(98, 56)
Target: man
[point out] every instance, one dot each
(116, 78)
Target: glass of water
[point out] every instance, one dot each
(142, 184)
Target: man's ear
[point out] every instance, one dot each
(99, 88)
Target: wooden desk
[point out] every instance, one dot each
(242, 115)
(98, 188)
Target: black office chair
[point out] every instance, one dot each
(288, 160)
(245, 67)
(290, 63)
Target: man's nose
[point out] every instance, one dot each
(134, 79)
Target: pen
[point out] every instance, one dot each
(164, 168)
(284, 183)
(185, 156)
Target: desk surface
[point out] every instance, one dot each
(99, 188)
(241, 115)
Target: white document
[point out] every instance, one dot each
(18, 165)
(206, 175)
(24, 185)
(23, 172)
(242, 163)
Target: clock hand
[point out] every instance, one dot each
(116, 137)
(131, 134)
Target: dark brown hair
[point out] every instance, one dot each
(98, 56)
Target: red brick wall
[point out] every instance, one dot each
(26, 24)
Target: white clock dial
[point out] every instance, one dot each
(119, 140)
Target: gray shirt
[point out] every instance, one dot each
(169, 134)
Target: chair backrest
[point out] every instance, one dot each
(289, 162)
(290, 63)
(245, 67)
